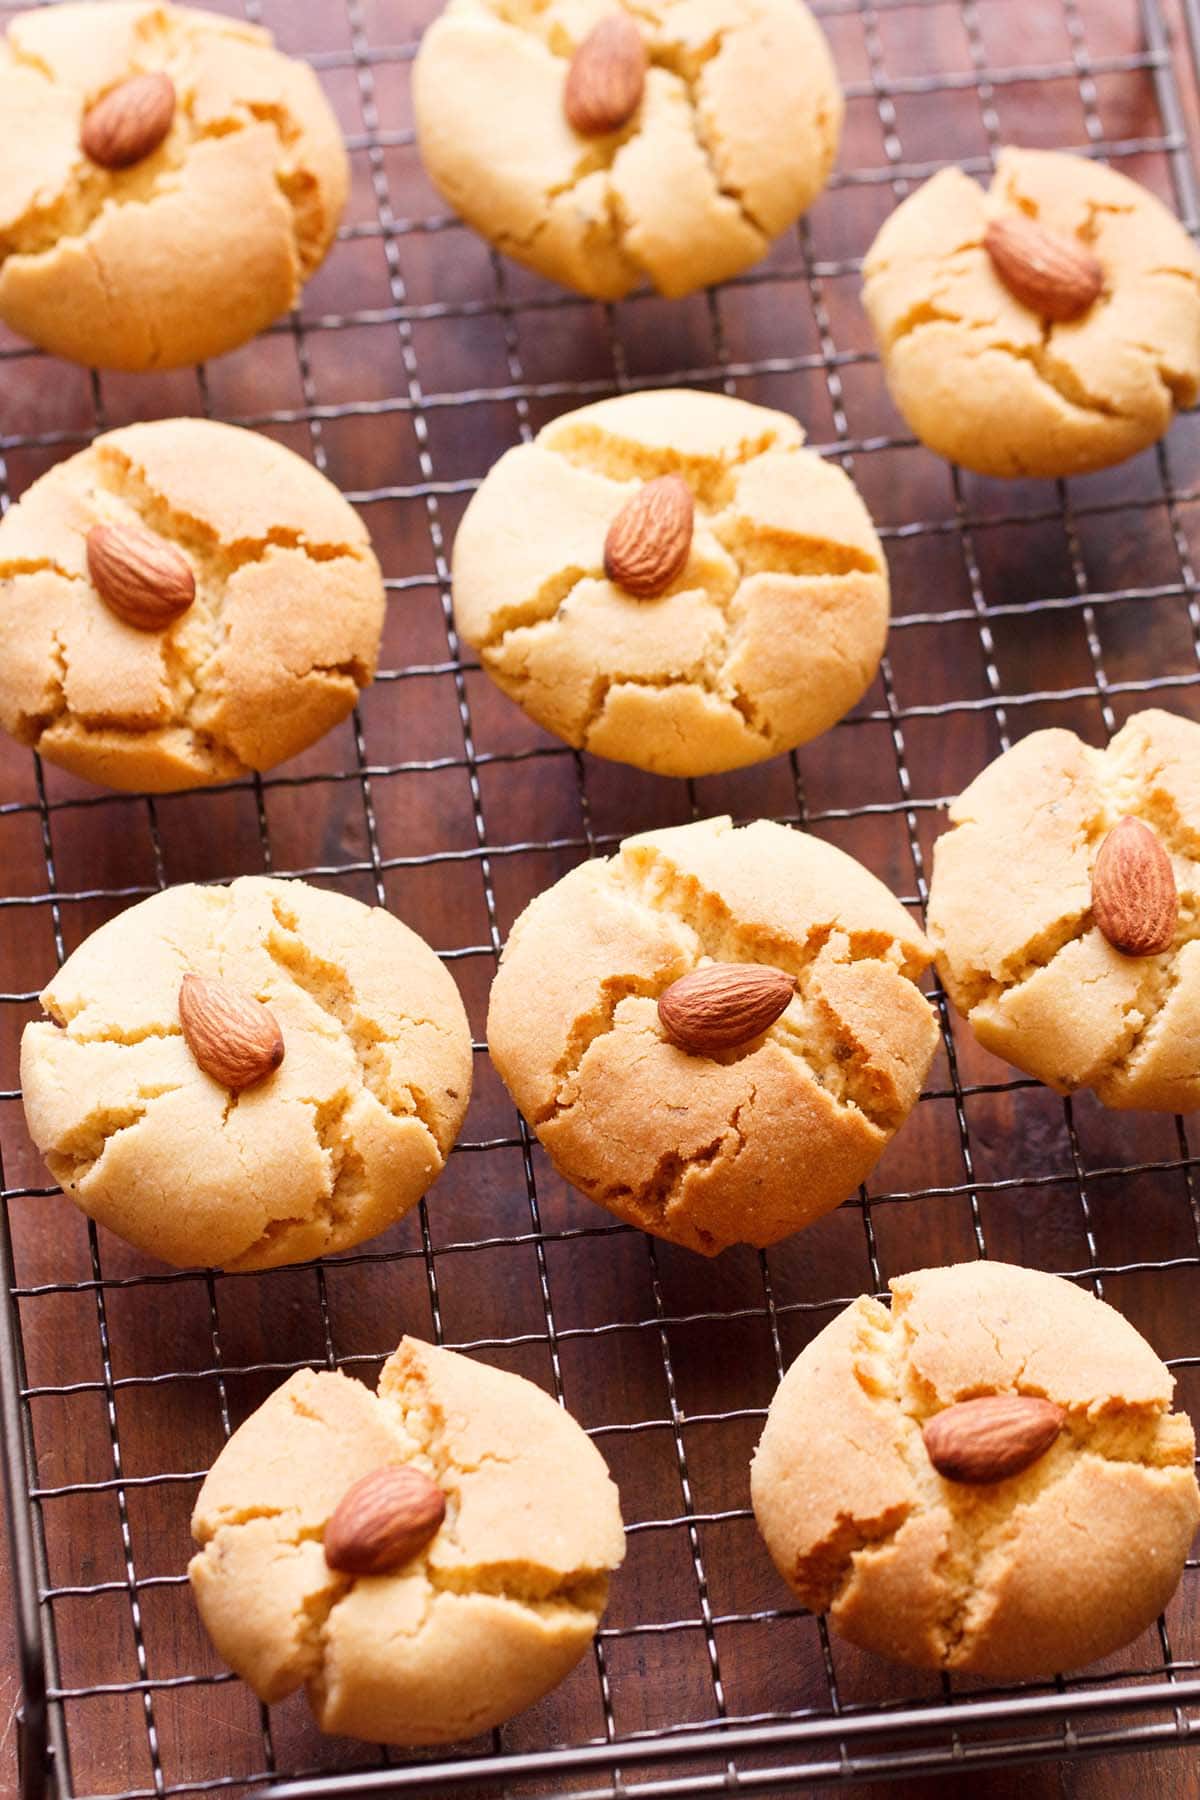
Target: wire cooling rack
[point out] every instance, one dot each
(416, 358)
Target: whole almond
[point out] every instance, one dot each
(606, 77)
(383, 1520)
(650, 539)
(130, 121)
(1051, 274)
(140, 577)
(232, 1036)
(723, 1005)
(1134, 898)
(992, 1438)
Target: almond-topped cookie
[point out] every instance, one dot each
(716, 1032)
(425, 1561)
(669, 579)
(1049, 325)
(986, 1478)
(1063, 911)
(170, 182)
(249, 1075)
(605, 145)
(181, 602)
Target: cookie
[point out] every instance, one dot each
(1014, 924)
(1006, 385)
(769, 629)
(282, 634)
(327, 1148)
(479, 1620)
(718, 146)
(738, 1139)
(1015, 1575)
(167, 220)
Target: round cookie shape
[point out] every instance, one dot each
(282, 634)
(198, 244)
(334, 1146)
(992, 382)
(752, 1142)
(769, 632)
(1013, 1579)
(490, 1615)
(734, 136)
(1015, 934)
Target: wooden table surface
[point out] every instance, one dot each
(389, 331)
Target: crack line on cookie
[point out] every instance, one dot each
(80, 1151)
(329, 1209)
(120, 474)
(724, 189)
(329, 986)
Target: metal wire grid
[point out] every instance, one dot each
(728, 1744)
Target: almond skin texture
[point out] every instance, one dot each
(990, 1439)
(140, 577)
(1134, 898)
(650, 539)
(382, 1521)
(723, 1005)
(130, 121)
(1051, 274)
(606, 77)
(232, 1036)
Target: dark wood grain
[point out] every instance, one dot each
(486, 330)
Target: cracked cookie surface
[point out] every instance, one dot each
(197, 246)
(491, 1615)
(1020, 953)
(332, 1148)
(752, 1144)
(282, 635)
(1016, 1579)
(735, 136)
(984, 380)
(769, 634)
